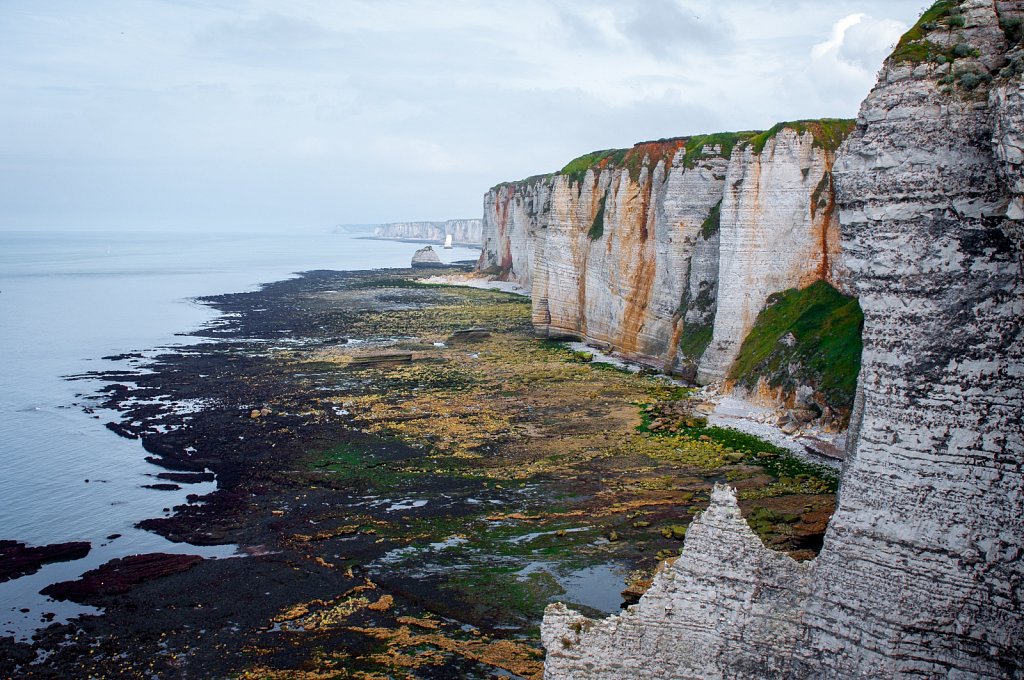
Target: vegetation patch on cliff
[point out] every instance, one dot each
(828, 133)
(915, 47)
(633, 159)
(805, 337)
(712, 223)
(721, 144)
(597, 228)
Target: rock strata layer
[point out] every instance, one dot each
(922, 570)
(463, 232)
(667, 252)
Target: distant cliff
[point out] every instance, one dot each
(668, 252)
(922, 569)
(463, 232)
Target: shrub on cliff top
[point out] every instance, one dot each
(726, 141)
(809, 336)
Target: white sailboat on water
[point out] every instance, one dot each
(448, 241)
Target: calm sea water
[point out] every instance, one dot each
(66, 300)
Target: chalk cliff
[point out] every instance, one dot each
(922, 570)
(667, 252)
(463, 232)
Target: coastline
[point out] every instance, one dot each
(385, 488)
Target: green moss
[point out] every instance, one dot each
(695, 340)
(597, 228)
(826, 343)
(828, 133)
(713, 222)
(792, 474)
(347, 463)
(821, 195)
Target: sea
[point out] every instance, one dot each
(69, 298)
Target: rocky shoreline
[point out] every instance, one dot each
(411, 515)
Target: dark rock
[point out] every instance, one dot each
(120, 575)
(469, 335)
(122, 430)
(187, 477)
(18, 559)
(162, 487)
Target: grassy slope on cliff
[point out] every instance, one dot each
(810, 336)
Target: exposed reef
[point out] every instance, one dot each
(18, 559)
(410, 478)
(921, 574)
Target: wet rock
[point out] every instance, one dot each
(120, 575)
(383, 358)
(18, 559)
(162, 487)
(187, 477)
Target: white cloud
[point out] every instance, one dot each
(854, 51)
(316, 103)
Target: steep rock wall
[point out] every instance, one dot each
(638, 249)
(922, 570)
(725, 608)
(774, 235)
(463, 232)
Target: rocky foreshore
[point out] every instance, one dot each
(409, 516)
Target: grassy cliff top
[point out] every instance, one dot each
(914, 46)
(828, 133)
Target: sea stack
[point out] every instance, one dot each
(426, 257)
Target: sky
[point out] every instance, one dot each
(301, 114)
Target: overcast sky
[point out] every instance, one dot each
(277, 114)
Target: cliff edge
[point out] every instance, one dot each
(922, 570)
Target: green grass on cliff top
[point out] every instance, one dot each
(913, 47)
(828, 133)
(827, 328)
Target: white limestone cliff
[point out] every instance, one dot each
(777, 232)
(463, 232)
(725, 607)
(922, 569)
(648, 251)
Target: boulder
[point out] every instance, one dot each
(426, 257)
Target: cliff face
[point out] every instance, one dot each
(667, 252)
(463, 232)
(725, 608)
(930, 517)
(922, 570)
